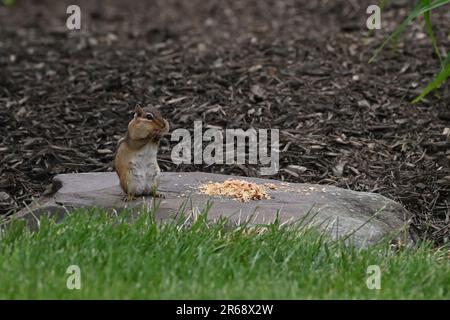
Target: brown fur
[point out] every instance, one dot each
(141, 131)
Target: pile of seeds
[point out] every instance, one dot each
(240, 190)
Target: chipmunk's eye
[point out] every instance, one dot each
(149, 116)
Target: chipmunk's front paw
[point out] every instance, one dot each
(158, 195)
(155, 194)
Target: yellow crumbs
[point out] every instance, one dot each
(238, 189)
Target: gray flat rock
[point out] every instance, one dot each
(363, 218)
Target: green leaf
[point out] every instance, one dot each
(436, 83)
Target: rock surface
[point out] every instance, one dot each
(363, 217)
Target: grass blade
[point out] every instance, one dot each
(432, 6)
(420, 9)
(447, 60)
(397, 31)
(436, 83)
(8, 3)
(430, 32)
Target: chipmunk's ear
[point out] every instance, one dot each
(138, 111)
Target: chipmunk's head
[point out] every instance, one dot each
(152, 120)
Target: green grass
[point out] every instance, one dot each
(142, 260)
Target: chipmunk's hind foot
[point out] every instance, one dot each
(128, 198)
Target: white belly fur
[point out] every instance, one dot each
(144, 171)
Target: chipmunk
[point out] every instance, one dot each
(135, 161)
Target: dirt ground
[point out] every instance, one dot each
(299, 66)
